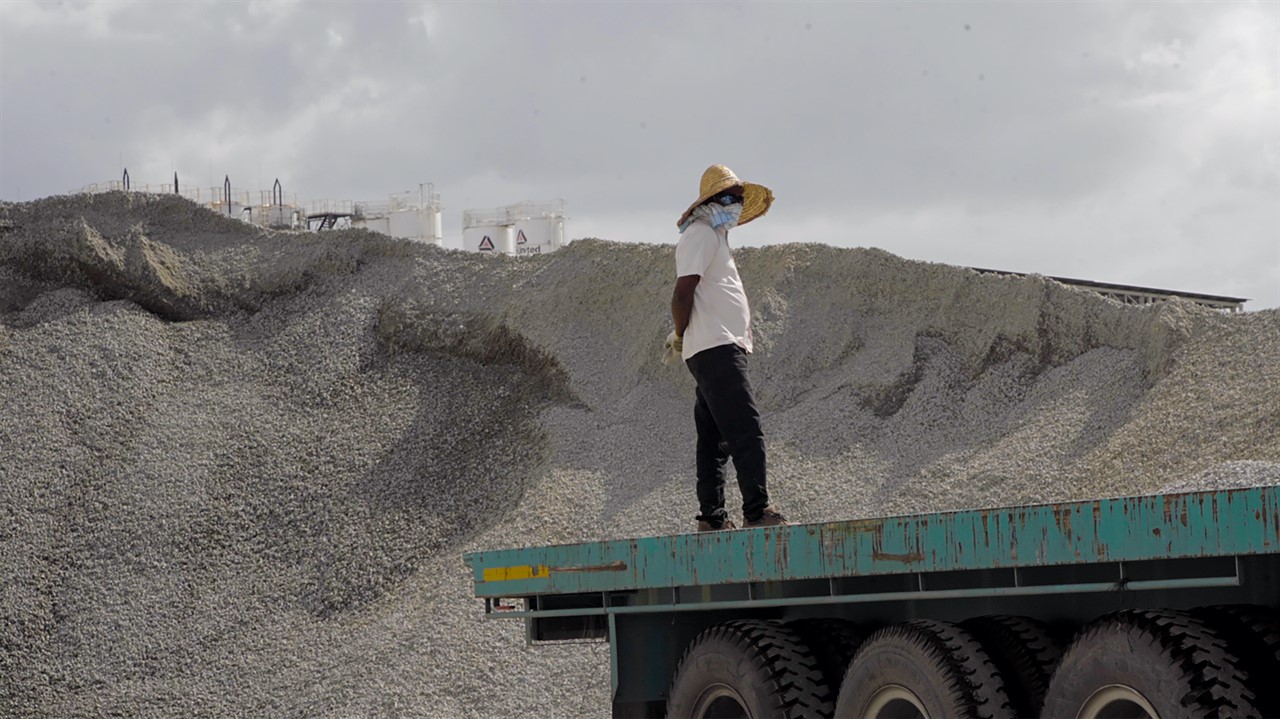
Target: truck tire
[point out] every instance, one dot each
(833, 642)
(1253, 633)
(926, 669)
(748, 668)
(1025, 653)
(1149, 664)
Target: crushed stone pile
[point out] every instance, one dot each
(238, 467)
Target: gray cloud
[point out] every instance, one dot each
(1126, 142)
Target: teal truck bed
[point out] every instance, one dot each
(839, 594)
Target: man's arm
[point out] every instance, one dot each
(682, 302)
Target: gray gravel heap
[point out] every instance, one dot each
(238, 467)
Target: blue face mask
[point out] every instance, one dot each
(726, 217)
(715, 214)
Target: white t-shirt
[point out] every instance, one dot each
(720, 314)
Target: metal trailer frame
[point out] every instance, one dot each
(1063, 563)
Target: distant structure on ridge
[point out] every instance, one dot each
(519, 230)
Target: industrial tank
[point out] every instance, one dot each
(407, 215)
(526, 228)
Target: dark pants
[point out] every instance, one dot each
(728, 425)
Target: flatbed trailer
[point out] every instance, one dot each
(1148, 606)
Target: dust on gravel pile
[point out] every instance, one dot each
(238, 467)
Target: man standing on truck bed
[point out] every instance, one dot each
(713, 337)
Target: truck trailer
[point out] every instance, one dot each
(1164, 605)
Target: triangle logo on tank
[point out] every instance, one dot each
(486, 245)
(521, 239)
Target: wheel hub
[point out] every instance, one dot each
(721, 701)
(894, 701)
(1117, 701)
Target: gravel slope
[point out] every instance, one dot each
(238, 467)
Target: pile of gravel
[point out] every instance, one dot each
(238, 467)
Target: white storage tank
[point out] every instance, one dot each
(278, 216)
(377, 224)
(481, 238)
(523, 229)
(408, 224)
(232, 208)
(406, 215)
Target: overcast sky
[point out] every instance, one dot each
(1135, 143)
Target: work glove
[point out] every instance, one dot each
(673, 347)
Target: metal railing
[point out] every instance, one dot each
(273, 208)
(209, 196)
(512, 214)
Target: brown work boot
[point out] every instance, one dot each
(769, 518)
(705, 526)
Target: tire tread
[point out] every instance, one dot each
(976, 688)
(1211, 672)
(1253, 633)
(791, 666)
(833, 643)
(1024, 651)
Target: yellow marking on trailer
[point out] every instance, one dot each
(502, 574)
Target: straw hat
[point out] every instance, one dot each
(718, 178)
